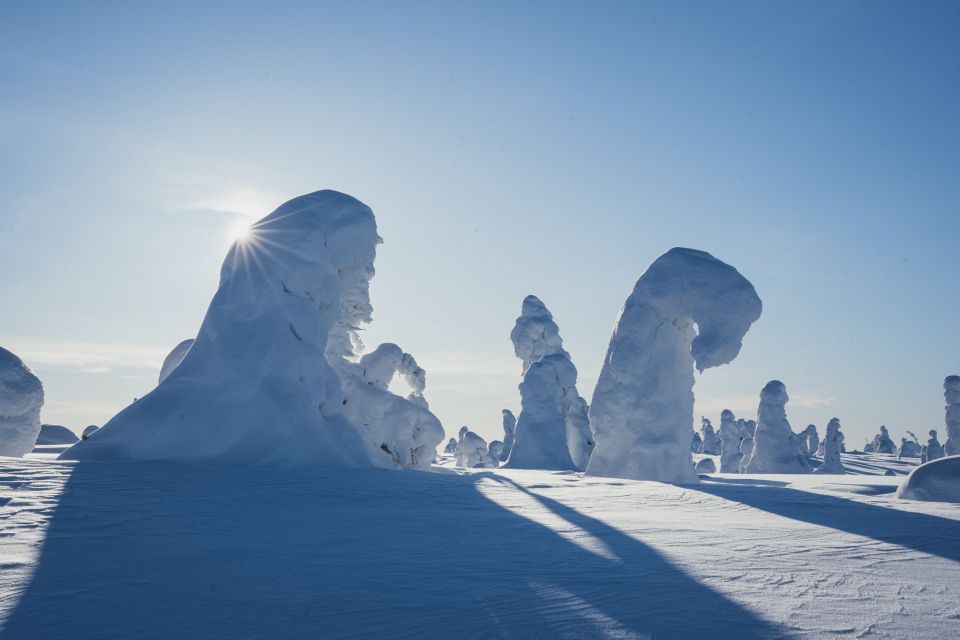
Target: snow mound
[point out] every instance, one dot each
(174, 358)
(89, 431)
(21, 397)
(706, 465)
(642, 408)
(935, 481)
(55, 434)
(776, 449)
(257, 386)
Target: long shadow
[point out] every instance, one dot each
(156, 551)
(919, 531)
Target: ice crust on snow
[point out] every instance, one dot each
(21, 398)
(951, 393)
(553, 429)
(937, 481)
(275, 363)
(688, 310)
(174, 358)
(832, 442)
(776, 449)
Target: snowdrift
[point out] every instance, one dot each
(935, 481)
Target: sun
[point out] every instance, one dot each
(240, 232)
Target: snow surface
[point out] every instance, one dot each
(642, 408)
(776, 449)
(274, 366)
(174, 358)
(21, 398)
(149, 550)
(937, 480)
(553, 429)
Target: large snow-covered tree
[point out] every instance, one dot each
(21, 398)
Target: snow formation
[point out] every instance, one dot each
(89, 431)
(937, 481)
(951, 393)
(730, 438)
(696, 443)
(775, 447)
(509, 433)
(274, 367)
(831, 449)
(553, 429)
(642, 408)
(706, 465)
(55, 434)
(472, 452)
(933, 449)
(710, 443)
(451, 446)
(495, 450)
(811, 440)
(882, 443)
(174, 358)
(21, 397)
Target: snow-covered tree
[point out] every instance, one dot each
(746, 451)
(951, 393)
(451, 446)
(730, 438)
(934, 449)
(708, 437)
(687, 310)
(831, 449)
(509, 433)
(495, 450)
(811, 440)
(471, 452)
(21, 398)
(553, 429)
(265, 378)
(696, 443)
(775, 449)
(882, 443)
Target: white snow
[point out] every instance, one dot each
(509, 433)
(831, 449)
(951, 393)
(21, 398)
(776, 449)
(687, 310)
(731, 436)
(553, 429)
(937, 480)
(472, 452)
(174, 358)
(709, 442)
(265, 378)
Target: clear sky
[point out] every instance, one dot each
(506, 148)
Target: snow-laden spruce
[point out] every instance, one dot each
(451, 446)
(642, 408)
(746, 451)
(472, 451)
(264, 380)
(696, 443)
(495, 450)
(775, 448)
(951, 393)
(811, 440)
(174, 358)
(553, 429)
(730, 438)
(509, 434)
(21, 398)
(709, 442)
(831, 449)
(933, 449)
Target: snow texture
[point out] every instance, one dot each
(553, 429)
(55, 434)
(951, 393)
(776, 449)
(710, 443)
(688, 310)
(937, 481)
(262, 382)
(509, 434)
(174, 358)
(730, 438)
(831, 449)
(21, 398)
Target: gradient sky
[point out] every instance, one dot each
(506, 148)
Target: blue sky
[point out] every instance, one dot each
(506, 149)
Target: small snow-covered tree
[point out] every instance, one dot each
(831, 449)
(746, 451)
(951, 393)
(471, 452)
(509, 434)
(688, 310)
(711, 443)
(21, 398)
(934, 449)
(882, 443)
(730, 438)
(495, 450)
(775, 449)
(811, 440)
(451, 446)
(696, 443)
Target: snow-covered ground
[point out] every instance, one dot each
(96, 549)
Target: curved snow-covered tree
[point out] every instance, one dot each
(831, 449)
(710, 443)
(730, 438)
(262, 382)
(688, 310)
(553, 429)
(509, 433)
(775, 449)
(21, 398)
(951, 393)
(174, 358)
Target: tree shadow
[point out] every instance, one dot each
(160, 551)
(918, 531)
